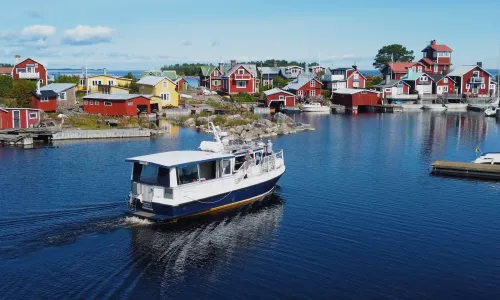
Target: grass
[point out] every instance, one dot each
(96, 122)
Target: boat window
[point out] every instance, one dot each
(207, 170)
(187, 174)
(163, 177)
(136, 173)
(239, 160)
(225, 167)
(149, 174)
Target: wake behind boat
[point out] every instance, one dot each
(176, 184)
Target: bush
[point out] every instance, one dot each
(243, 97)
(326, 94)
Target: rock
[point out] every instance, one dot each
(233, 117)
(189, 123)
(232, 130)
(268, 130)
(238, 129)
(283, 129)
(202, 120)
(274, 134)
(282, 118)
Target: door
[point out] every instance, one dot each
(475, 89)
(440, 90)
(16, 119)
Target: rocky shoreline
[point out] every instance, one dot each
(280, 124)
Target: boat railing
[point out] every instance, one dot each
(268, 163)
(243, 170)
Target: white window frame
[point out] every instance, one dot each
(281, 97)
(91, 102)
(445, 89)
(85, 102)
(222, 170)
(165, 96)
(483, 86)
(419, 69)
(436, 68)
(241, 71)
(312, 93)
(355, 84)
(239, 86)
(423, 78)
(165, 84)
(300, 93)
(108, 103)
(492, 86)
(356, 76)
(44, 99)
(216, 73)
(130, 103)
(312, 83)
(445, 80)
(31, 115)
(388, 90)
(467, 86)
(62, 96)
(96, 102)
(474, 74)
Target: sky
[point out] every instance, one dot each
(135, 35)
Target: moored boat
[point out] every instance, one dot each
(490, 158)
(176, 184)
(491, 111)
(314, 107)
(435, 107)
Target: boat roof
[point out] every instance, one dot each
(177, 158)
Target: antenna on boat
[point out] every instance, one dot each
(215, 132)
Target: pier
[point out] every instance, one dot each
(463, 169)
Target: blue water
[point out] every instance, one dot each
(356, 216)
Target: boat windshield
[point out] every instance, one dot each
(151, 174)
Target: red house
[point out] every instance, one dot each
(397, 70)
(241, 78)
(29, 69)
(44, 100)
(64, 95)
(442, 84)
(181, 84)
(473, 81)
(305, 86)
(355, 97)
(437, 58)
(116, 104)
(278, 97)
(11, 118)
(342, 78)
(317, 69)
(211, 76)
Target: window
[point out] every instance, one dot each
(445, 80)
(355, 84)
(131, 103)
(423, 78)
(356, 76)
(96, 102)
(111, 82)
(241, 71)
(312, 93)
(85, 102)
(107, 103)
(149, 174)
(388, 90)
(241, 84)
(91, 102)
(62, 96)
(281, 97)
(33, 115)
(483, 86)
(225, 167)
(419, 68)
(216, 73)
(216, 82)
(165, 84)
(187, 174)
(436, 69)
(300, 93)
(82, 81)
(445, 89)
(492, 86)
(475, 74)
(467, 86)
(312, 83)
(165, 96)
(44, 99)
(207, 170)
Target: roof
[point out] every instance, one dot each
(152, 80)
(437, 47)
(58, 87)
(113, 97)
(301, 80)
(45, 94)
(269, 70)
(462, 70)
(5, 70)
(276, 91)
(207, 70)
(107, 75)
(352, 91)
(412, 76)
(389, 84)
(438, 77)
(400, 67)
(177, 158)
(251, 68)
(171, 74)
(428, 61)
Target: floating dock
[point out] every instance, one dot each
(463, 169)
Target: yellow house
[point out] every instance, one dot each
(93, 82)
(161, 89)
(109, 89)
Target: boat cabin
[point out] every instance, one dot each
(492, 158)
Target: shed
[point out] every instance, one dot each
(278, 97)
(116, 104)
(11, 118)
(355, 97)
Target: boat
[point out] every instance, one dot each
(491, 111)
(435, 107)
(490, 158)
(314, 107)
(171, 185)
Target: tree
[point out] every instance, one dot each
(5, 86)
(373, 80)
(2, 65)
(21, 91)
(129, 76)
(395, 53)
(279, 82)
(68, 79)
(134, 87)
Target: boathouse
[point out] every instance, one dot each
(355, 97)
(278, 97)
(116, 104)
(13, 118)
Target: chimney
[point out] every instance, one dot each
(38, 87)
(221, 65)
(17, 59)
(233, 63)
(433, 42)
(479, 64)
(355, 67)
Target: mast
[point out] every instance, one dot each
(86, 79)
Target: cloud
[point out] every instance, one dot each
(185, 43)
(86, 35)
(34, 14)
(215, 44)
(31, 33)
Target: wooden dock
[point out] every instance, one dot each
(463, 169)
(25, 137)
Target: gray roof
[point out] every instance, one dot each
(288, 75)
(352, 91)
(301, 80)
(250, 68)
(462, 70)
(113, 97)
(58, 87)
(387, 84)
(151, 80)
(269, 70)
(275, 91)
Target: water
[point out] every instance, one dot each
(356, 216)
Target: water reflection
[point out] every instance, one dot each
(168, 252)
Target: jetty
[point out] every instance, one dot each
(463, 169)
(25, 137)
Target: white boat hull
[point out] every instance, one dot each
(490, 112)
(434, 108)
(315, 108)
